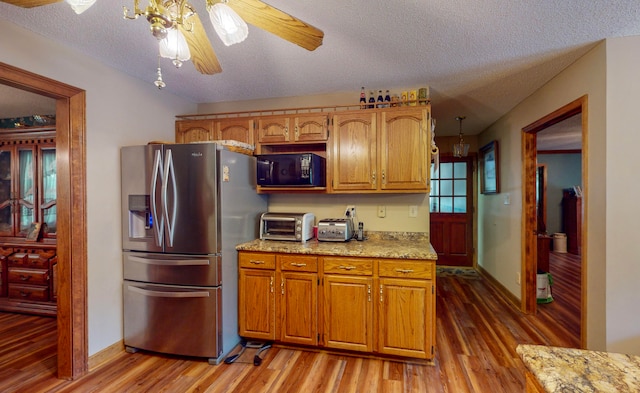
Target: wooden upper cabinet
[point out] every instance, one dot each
(381, 151)
(238, 129)
(354, 151)
(188, 131)
(293, 128)
(404, 161)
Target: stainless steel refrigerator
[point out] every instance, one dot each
(184, 209)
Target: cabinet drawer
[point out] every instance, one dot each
(28, 292)
(28, 276)
(29, 260)
(351, 266)
(298, 263)
(256, 260)
(406, 269)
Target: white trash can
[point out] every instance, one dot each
(543, 286)
(560, 243)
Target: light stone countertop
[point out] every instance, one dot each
(581, 371)
(394, 245)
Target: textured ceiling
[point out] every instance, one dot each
(480, 58)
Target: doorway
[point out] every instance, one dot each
(451, 210)
(531, 193)
(72, 235)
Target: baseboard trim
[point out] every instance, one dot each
(511, 298)
(98, 359)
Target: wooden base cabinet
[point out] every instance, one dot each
(278, 303)
(368, 305)
(256, 296)
(297, 305)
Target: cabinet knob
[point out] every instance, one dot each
(25, 278)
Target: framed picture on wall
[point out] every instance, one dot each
(489, 169)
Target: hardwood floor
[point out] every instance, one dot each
(564, 311)
(478, 331)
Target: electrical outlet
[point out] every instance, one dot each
(413, 211)
(518, 278)
(350, 211)
(382, 211)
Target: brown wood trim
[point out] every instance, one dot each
(106, 355)
(72, 238)
(529, 155)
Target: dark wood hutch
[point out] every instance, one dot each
(28, 220)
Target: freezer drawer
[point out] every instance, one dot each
(197, 270)
(173, 319)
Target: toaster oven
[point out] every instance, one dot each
(287, 226)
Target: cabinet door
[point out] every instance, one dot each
(47, 208)
(298, 308)
(234, 129)
(354, 152)
(348, 312)
(194, 130)
(7, 192)
(256, 304)
(310, 128)
(403, 150)
(406, 317)
(26, 189)
(274, 129)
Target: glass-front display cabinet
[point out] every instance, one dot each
(28, 190)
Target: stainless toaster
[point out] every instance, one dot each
(335, 229)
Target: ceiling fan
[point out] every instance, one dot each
(176, 18)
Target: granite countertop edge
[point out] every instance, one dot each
(394, 245)
(579, 370)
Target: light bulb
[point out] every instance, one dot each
(228, 24)
(80, 6)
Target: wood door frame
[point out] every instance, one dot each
(72, 356)
(529, 216)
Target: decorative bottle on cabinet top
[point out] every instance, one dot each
(363, 99)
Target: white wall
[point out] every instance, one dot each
(120, 111)
(500, 226)
(623, 216)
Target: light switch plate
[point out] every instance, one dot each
(382, 211)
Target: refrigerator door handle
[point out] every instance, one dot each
(169, 173)
(158, 219)
(152, 293)
(170, 262)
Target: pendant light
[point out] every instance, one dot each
(460, 149)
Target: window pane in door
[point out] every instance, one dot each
(49, 190)
(460, 187)
(435, 188)
(460, 204)
(446, 205)
(434, 205)
(26, 193)
(446, 170)
(446, 187)
(460, 170)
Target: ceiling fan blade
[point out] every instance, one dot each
(202, 54)
(30, 3)
(277, 22)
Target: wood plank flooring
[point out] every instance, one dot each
(477, 333)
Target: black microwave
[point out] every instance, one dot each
(291, 170)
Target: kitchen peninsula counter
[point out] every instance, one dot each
(577, 370)
(393, 245)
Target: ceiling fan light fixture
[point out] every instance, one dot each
(228, 24)
(174, 46)
(80, 6)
